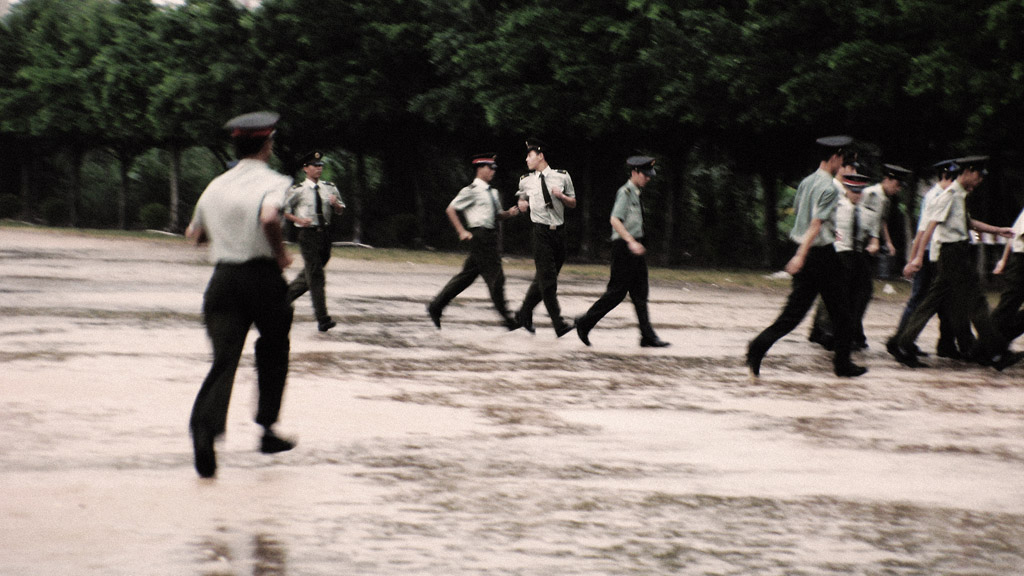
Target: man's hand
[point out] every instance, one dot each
(636, 247)
(795, 265)
(1000, 267)
(465, 235)
(912, 268)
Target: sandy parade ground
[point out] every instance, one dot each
(473, 450)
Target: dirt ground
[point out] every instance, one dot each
(473, 450)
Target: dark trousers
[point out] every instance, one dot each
(857, 269)
(483, 260)
(548, 257)
(820, 275)
(918, 290)
(238, 296)
(315, 244)
(956, 285)
(628, 276)
(1007, 315)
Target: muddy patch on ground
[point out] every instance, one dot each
(475, 450)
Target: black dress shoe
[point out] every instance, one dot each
(850, 370)
(435, 316)
(565, 328)
(653, 343)
(582, 333)
(206, 459)
(326, 324)
(949, 352)
(827, 341)
(753, 360)
(523, 321)
(908, 359)
(272, 443)
(1006, 359)
(510, 322)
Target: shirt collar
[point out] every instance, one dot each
(636, 189)
(481, 183)
(309, 183)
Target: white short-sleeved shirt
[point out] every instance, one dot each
(1018, 234)
(478, 203)
(529, 188)
(228, 211)
(951, 214)
(848, 214)
(927, 212)
(301, 202)
(874, 205)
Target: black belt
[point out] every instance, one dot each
(548, 226)
(255, 262)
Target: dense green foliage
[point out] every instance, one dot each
(102, 103)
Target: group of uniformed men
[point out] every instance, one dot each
(545, 193)
(838, 222)
(839, 227)
(240, 212)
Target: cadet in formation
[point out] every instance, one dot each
(956, 284)
(239, 213)
(1007, 315)
(629, 263)
(946, 172)
(480, 205)
(546, 193)
(814, 267)
(306, 207)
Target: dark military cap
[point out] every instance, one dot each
(642, 164)
(856, 182)
(489, 159)
(536, 145)
(946, 167)
(979, 163)
(253, 125)
(314, 158)
(895, 172)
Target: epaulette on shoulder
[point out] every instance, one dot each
(561, 171)
(296, 186)
(326, 183)
(525, 175)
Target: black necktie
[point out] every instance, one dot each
(544, 191)
(856, 228)
(319, 205)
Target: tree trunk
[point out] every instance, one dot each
(124, 160)
(585, 201)
(28, 203)
(357, 202)
(771, 221)
(75, 190)
(174, 177)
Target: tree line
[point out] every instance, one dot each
(728, 95)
